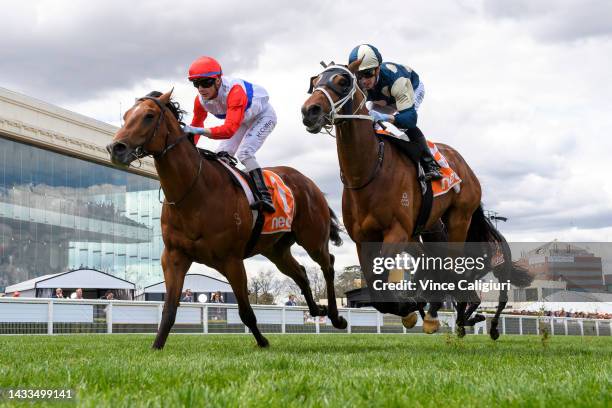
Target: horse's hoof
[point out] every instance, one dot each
(460, 331)
(430, 324)
(479, 318)
(410, 320)
(340, 323)
(322, 311)
(494, 333)
(263, 343)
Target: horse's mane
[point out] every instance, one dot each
(173, 106)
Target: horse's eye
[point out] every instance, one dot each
(149, 116)
(343, 82)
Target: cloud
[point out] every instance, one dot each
(556, 20)
(68, 51)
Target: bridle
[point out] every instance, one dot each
(141, 152)
(345, 97)
(344, 104)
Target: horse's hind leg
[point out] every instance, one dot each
(175, 265)
(286, 263)
(503, 300)
(236, 275)
(326, 262)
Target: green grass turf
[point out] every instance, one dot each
(314, 370)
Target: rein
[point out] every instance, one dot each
(140, 151)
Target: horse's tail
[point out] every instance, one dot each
(482, 230)
(335, 229)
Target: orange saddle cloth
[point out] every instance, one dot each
(282, 197)
(449, 180)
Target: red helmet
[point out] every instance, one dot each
(204, 67)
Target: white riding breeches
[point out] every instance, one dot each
(250, 136)
(419, 95)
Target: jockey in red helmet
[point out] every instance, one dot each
(248, 118)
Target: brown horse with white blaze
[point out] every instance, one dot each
(206, 218)
(382, 197)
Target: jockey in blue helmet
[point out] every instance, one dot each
(397, 87)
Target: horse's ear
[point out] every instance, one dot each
(354, 66)
(165, 98)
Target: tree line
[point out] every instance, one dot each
(268, 287)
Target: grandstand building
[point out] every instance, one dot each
(62, 205)
(578, 267)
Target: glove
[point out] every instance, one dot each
(380, 117)
(193, 129)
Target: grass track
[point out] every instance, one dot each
(314, 370)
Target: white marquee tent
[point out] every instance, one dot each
(94, 284)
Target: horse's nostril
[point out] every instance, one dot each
(119, 148)
(314, 110)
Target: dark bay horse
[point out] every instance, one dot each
(381, 197)
(206, 218)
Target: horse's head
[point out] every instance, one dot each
(332, 94)
(145, 132)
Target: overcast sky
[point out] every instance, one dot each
(521, 88)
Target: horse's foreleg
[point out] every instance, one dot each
(233, 269)
(407, 310)
(175, 265)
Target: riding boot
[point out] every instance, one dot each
(430, 165)
(265, 199)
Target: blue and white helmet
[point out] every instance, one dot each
(369, 53)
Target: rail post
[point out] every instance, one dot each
(552, 326)
(160, 310)
(348, 326)
(205, 319)
(283, 320)
(50, 317)
(109, 318)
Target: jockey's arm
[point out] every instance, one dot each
(402, 91)
(197, 123)
(236, 106)
(199, 114)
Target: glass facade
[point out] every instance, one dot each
(58, 213)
